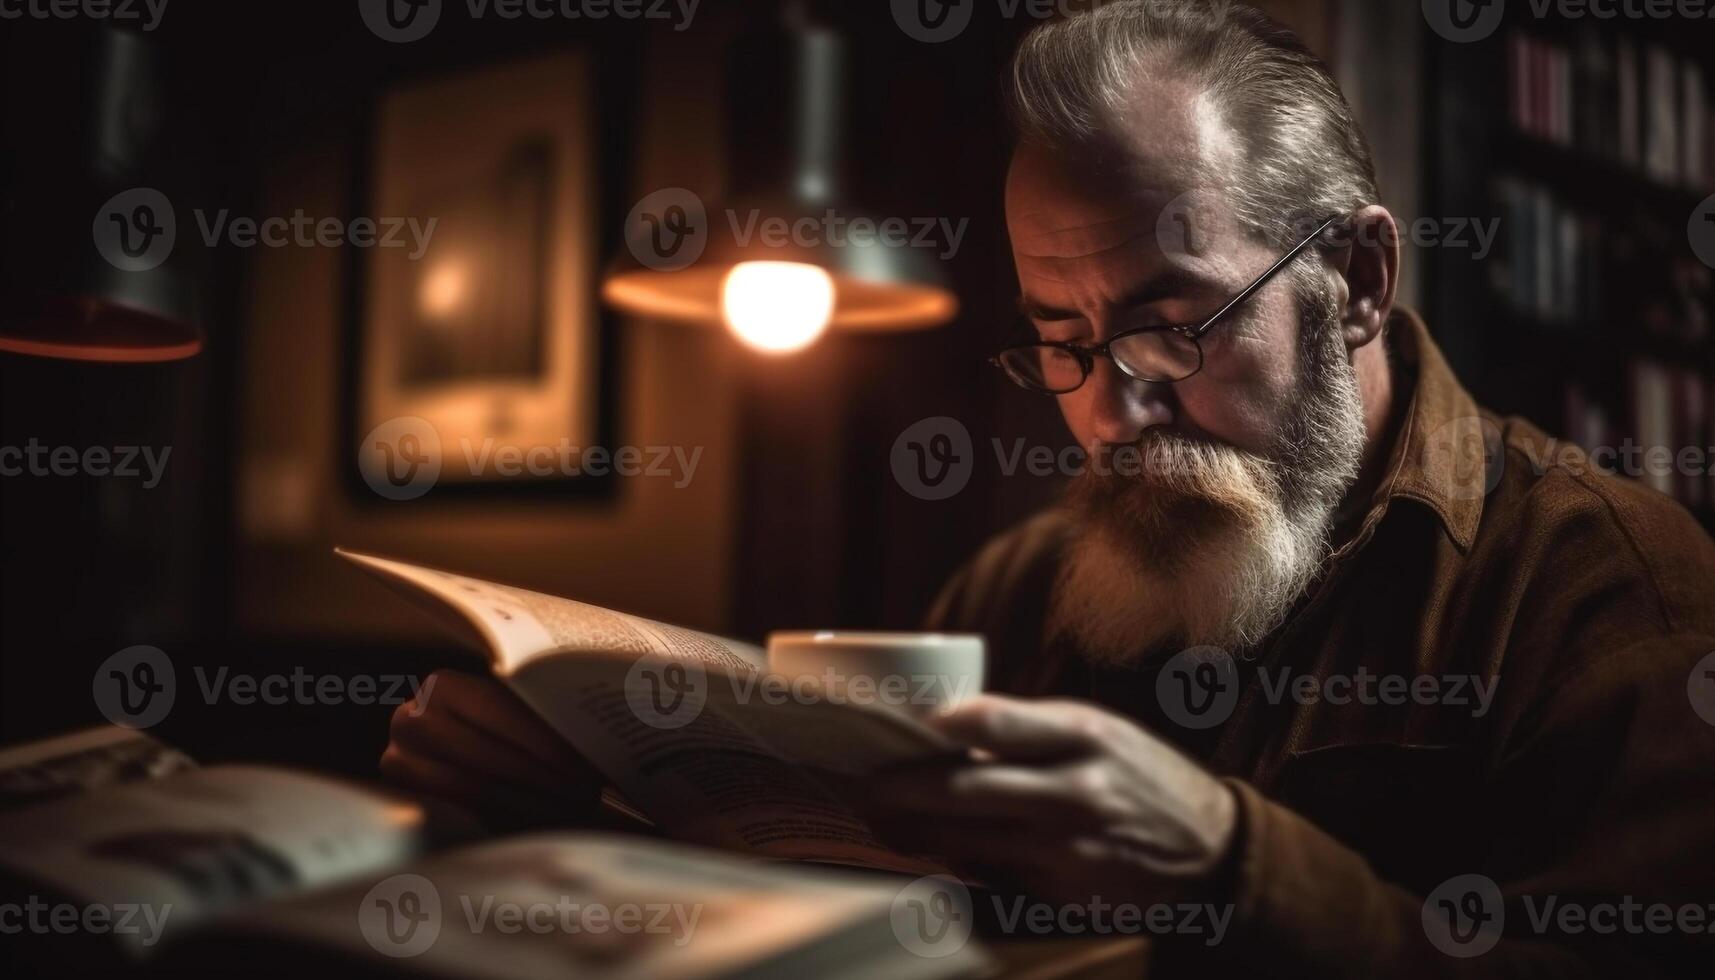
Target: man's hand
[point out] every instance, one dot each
(471, 741)
(1062, 800)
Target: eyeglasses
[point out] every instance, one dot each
(1163, 354)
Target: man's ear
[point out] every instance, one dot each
(1369, 264)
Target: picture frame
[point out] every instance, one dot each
(483, 321)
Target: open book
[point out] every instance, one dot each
(279, 873)
(688, 726)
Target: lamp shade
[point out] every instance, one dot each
(785, 116)
(88, 264)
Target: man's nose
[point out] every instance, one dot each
(1121, 407)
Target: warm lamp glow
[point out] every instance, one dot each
(777, 306)
(443, 290)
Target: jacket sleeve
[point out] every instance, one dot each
(1601, 863)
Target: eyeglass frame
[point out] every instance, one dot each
(1087, 354)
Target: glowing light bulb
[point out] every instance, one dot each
(442, 291)
(777, 306)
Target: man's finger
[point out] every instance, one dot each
(952, 790)
(448, 738)
(1021, 731)
(1000, 851)
(431, 777)
(490, 706)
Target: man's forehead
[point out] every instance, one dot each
(1101, 195)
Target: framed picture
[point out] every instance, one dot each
(477, 331)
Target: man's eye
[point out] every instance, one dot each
(1060, 333)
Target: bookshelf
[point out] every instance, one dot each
(1593, 144)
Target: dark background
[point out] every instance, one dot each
(794, 518)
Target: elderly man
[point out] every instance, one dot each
(1314, 638)
(1345, 658)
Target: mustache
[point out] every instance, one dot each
(1176, 458)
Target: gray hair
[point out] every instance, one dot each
(1306, 158)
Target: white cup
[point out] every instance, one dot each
(918, 673)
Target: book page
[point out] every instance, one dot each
(684, 723)
(729, 768)
(522, 908)
(204, 841)
(514, 625)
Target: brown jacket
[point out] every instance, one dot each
(1490, 555)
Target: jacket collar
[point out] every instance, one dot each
(1447, 453)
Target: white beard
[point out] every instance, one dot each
(1212, 545)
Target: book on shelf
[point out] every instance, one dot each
(1638, 105)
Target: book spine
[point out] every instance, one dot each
(1696, 135)
(1631, 127)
